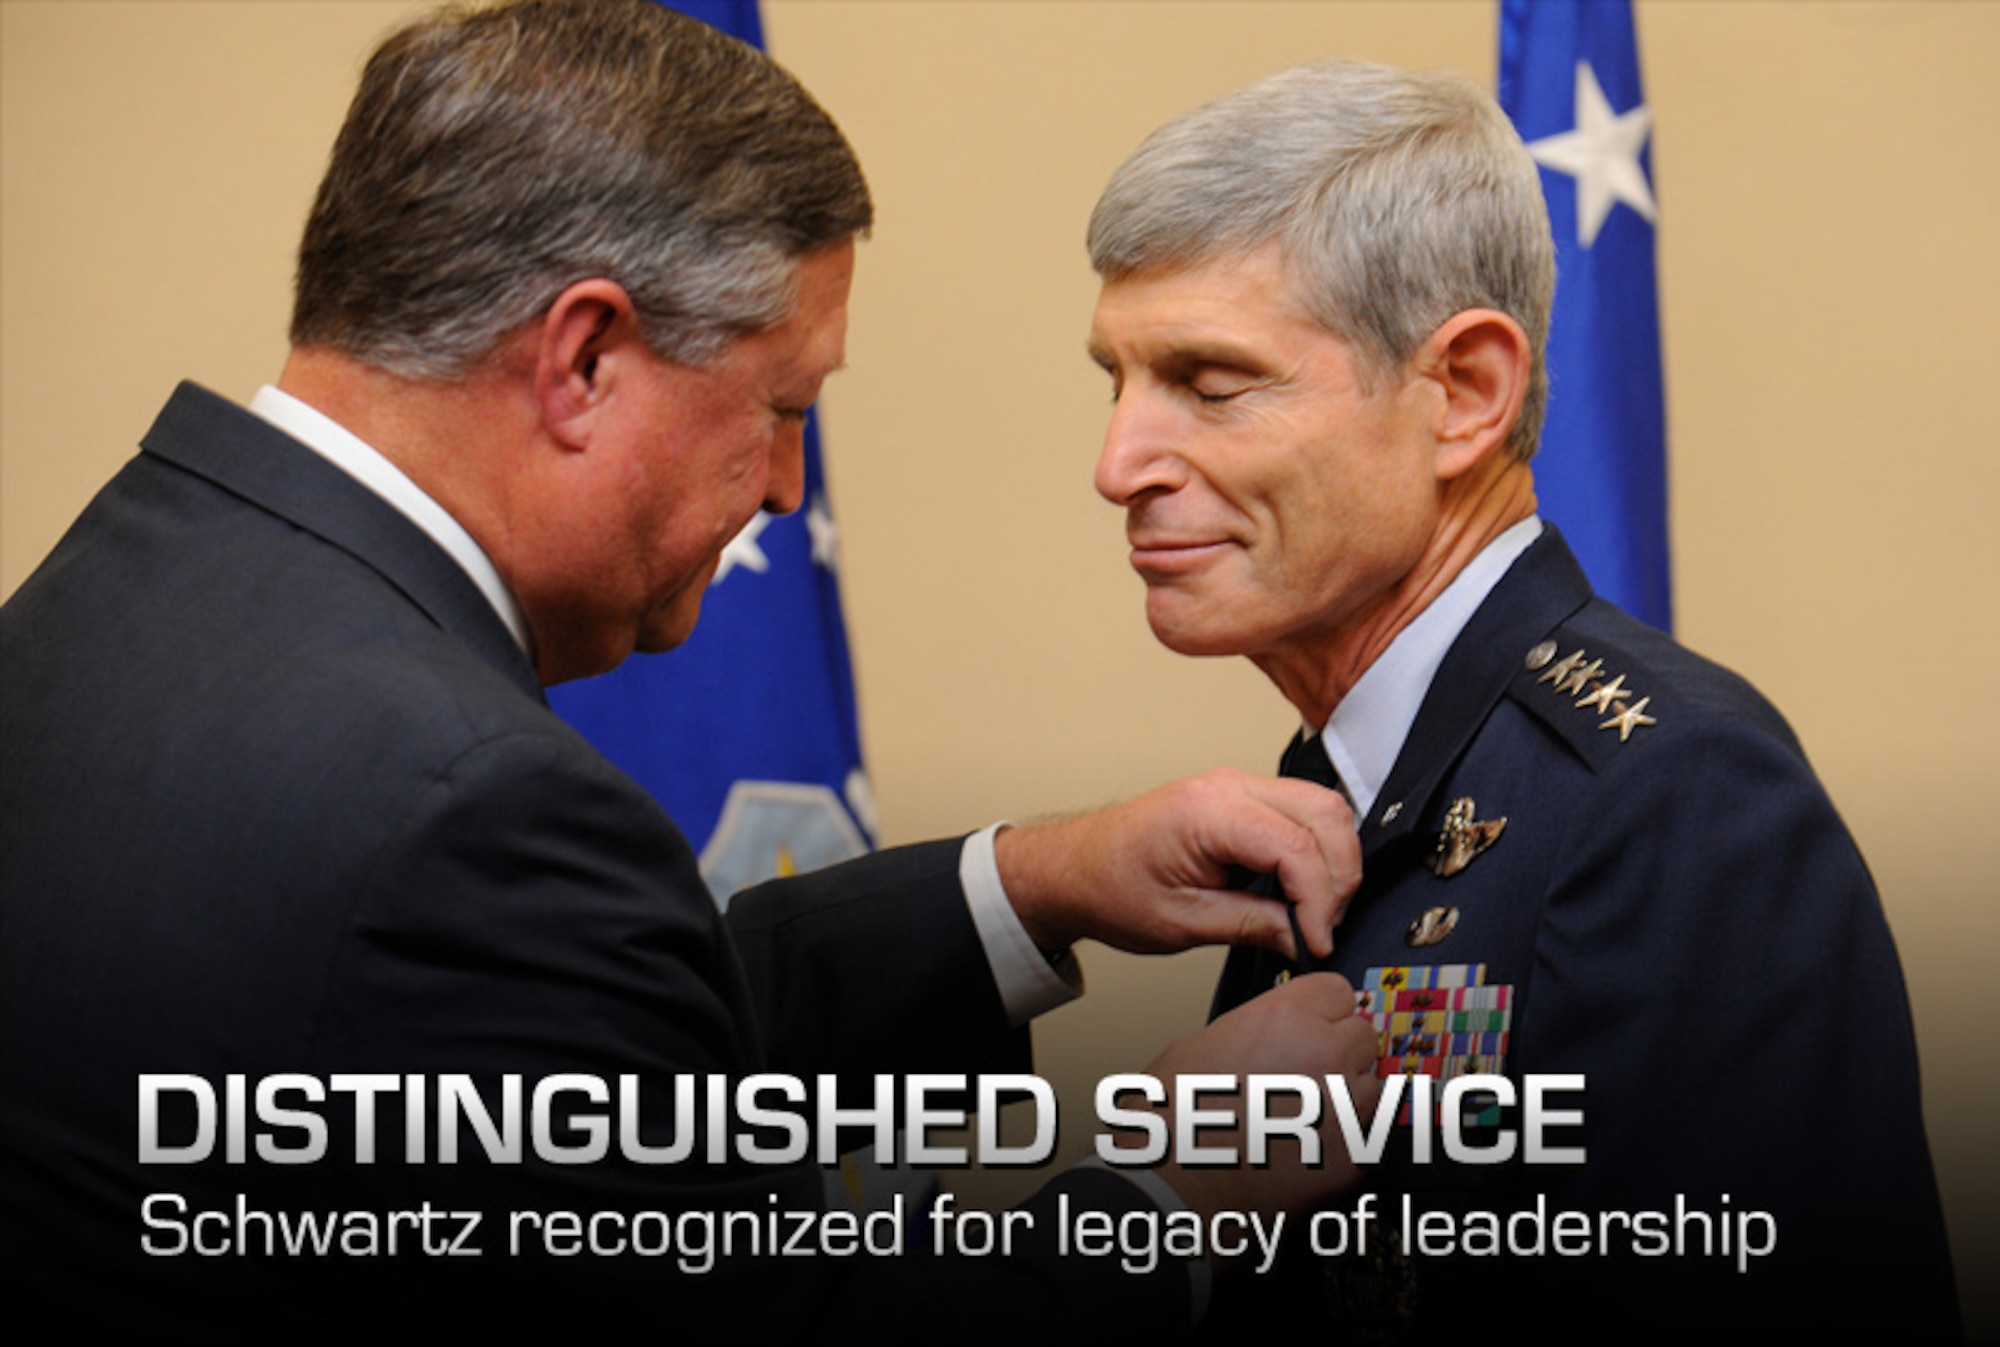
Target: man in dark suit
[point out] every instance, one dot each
(291, 845)
(1587, 852)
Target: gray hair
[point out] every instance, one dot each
(1399, 199)
(495, 156)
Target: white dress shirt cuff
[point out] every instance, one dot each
(1030, 982)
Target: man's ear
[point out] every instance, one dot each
(1480, 360)
(579, 342)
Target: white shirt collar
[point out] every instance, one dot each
(366, 465)
(1366, 732)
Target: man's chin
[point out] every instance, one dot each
(670, 627)
(1194, 634)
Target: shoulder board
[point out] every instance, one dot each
(1591, 696)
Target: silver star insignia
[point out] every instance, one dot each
(1604, 694)
(1580, 679)
(1561, 669)
(1628, 719)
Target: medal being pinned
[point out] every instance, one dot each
(1463, 839)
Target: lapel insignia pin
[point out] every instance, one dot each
(1432, 927)
(1462, 839)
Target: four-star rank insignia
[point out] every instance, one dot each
(1462, 839)
(1579, 676)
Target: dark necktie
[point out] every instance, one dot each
(1305, 759)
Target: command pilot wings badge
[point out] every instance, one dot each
(1462, 839)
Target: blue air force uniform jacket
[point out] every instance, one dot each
(1673, 910)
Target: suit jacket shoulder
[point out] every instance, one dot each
(281, 795)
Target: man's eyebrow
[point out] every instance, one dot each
(1207, 351)
(1195, 351)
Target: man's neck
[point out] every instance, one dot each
(444, 435)
(1475, 510)
(441, 436)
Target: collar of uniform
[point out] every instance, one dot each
(1365, 735)
(1542, 589)
(366, 465)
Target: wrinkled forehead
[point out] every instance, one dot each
(1210, 304)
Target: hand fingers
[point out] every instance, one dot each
(1324, 996)
(1325, 1005)
(1305, 835)
(1305, 1025)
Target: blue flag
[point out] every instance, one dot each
(747, 734)
(1569, 77)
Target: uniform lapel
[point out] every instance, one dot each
(1541, 590)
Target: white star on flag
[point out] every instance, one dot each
(743, 549)
(1602, 154)
(825, 538)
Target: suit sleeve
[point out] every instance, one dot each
(874, 966)
(535, 915)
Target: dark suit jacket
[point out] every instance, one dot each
(280, 794)
(1685, 921)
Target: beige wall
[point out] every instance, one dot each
(1828, 175)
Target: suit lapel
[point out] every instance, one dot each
(253, 460)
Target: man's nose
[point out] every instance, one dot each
(1136, 457)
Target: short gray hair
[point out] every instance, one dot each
(494, 156)
(1399, 199)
